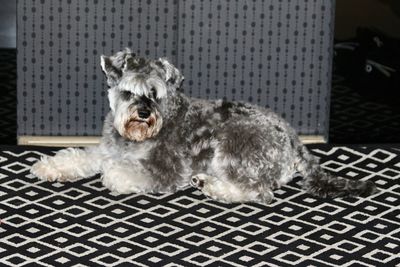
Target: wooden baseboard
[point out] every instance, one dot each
(76, 141)
(312, 139)
(58, 141)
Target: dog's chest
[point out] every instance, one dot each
(131, 152)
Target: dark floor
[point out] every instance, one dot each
(8, 96)
(354, 118)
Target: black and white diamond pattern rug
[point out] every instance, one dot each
(83, 224)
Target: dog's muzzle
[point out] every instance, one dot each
(143, 124)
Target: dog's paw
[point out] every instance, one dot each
(198, 181)
(119, 186)
(112, 186)
(45, 171)
(267, 196)
(108, 185)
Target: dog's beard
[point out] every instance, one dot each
(137, 129)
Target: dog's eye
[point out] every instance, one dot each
(153, 92)
(171, 80)
(126, 95)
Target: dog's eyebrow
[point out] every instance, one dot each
(141, 84)
(133, 85)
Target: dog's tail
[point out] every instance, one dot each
(322, 184)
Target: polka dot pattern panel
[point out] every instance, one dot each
(272, 53)
(276, 54)
(61, 88)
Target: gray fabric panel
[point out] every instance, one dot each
(69, 37)
(272, 53)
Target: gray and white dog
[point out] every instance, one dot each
(156, 139)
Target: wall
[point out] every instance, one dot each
(272, 53)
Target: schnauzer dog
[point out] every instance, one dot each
(156, 139)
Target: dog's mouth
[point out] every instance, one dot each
(141, 125)
(137, 122)
(138, 129)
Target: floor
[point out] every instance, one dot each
(8, 99)
(50, 224)
(357, 119)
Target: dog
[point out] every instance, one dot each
(157, 140)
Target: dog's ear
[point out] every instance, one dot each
(112, 72)
(114, 66)
(172, 75)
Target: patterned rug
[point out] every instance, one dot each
(83, 224)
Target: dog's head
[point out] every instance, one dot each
(138, 88)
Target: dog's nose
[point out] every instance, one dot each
(144, 113)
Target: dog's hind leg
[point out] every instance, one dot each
(69, 164)
(229, 192)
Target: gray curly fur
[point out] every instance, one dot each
(209, 144)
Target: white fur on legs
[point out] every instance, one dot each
(68, 165)
(223, 190)
(127, 178)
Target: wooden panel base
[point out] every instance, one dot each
(76, 141)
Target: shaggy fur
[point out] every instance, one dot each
(155, 139)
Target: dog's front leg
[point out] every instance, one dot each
(229, 192)
(124, 178)
(68, 165)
